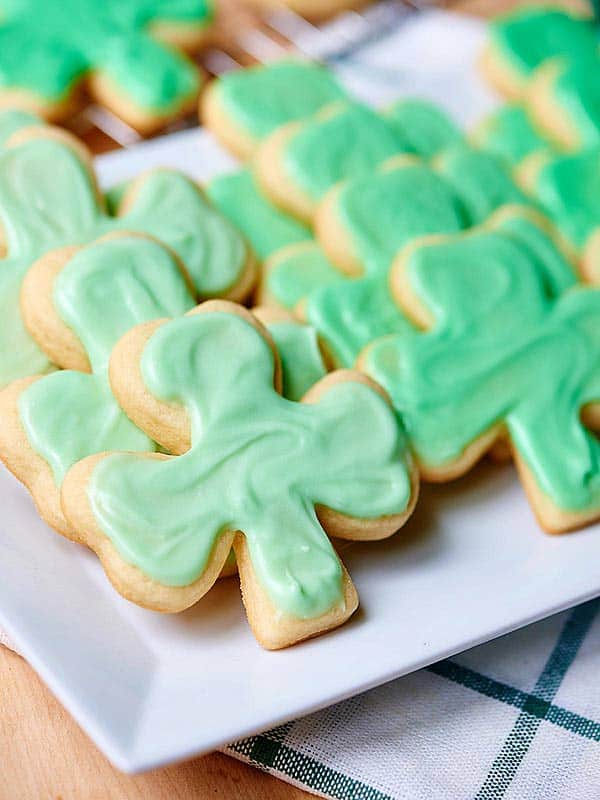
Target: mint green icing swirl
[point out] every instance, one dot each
(165, 516)
(102, 292)
(576, 96)
(268, 229)
(513, 341)
(48, 200)
(301, 360)
(262, 98)
(65, 41)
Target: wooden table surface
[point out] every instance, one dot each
(44, 755)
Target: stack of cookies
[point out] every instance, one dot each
(202, 383)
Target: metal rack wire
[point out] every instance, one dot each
(273, 34)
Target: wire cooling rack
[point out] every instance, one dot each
(259, 38)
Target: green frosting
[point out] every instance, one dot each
(165, 516)
(424, 128)
(262, 98)
(12, 121)
(532, 34)
(577, 96)
(509, 134)
(348, 141)
(383, 212)
(48, 200)
(102, 292)
(64, 41)
(481, 181)
(568, 190)
(297, 271)
(508, 344)
(268, 229)
(301, 360)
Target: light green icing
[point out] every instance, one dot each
(531, 35)
(509, 134)
(12, 121)
(102, 292)
(297, 272)
(481, 181)
(346, 141)
(48, 200)
(383, 212)
(64, 41)
(258, 463)
(268, 229)
(301, 360)
(262, 98)
(568, 190)
(576, 95)
(503, 347)
(352, 313)
(424, 128)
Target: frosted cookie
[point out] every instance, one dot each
(265, 227)
(78, 302)
(425, 129)
(207, 385)
(362, 223)
(348, 313)
(128, 54)
(301, 161)
(564, 101)
(509, 134)
(482, 181)
(519, 343)
(303, 362)
(568, 190)
(244, 106)
(49, 199)
(312, 9)
(521, 41)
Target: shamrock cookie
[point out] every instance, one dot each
(363, 223)
(301, 161)
(348, 313)
(78, 302)
(302, 361)
(568, 190)
(206, 385)
(244, 106)
(509, 346)
(266, 227)
(522, 40)
(49, 199)
(564, 99)
(127, 54)
(509, 134)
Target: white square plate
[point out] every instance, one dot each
(149, 689)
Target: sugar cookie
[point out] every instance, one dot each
(128, 54)
(519, 42)
(312, 9)
(509, 347)
(301, 161)
(163, 526)
(78, 302)
(244, 106)
(49, 199)
(265, 227)
(509, 134)
(564, 101)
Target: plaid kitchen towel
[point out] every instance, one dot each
(515, 719)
